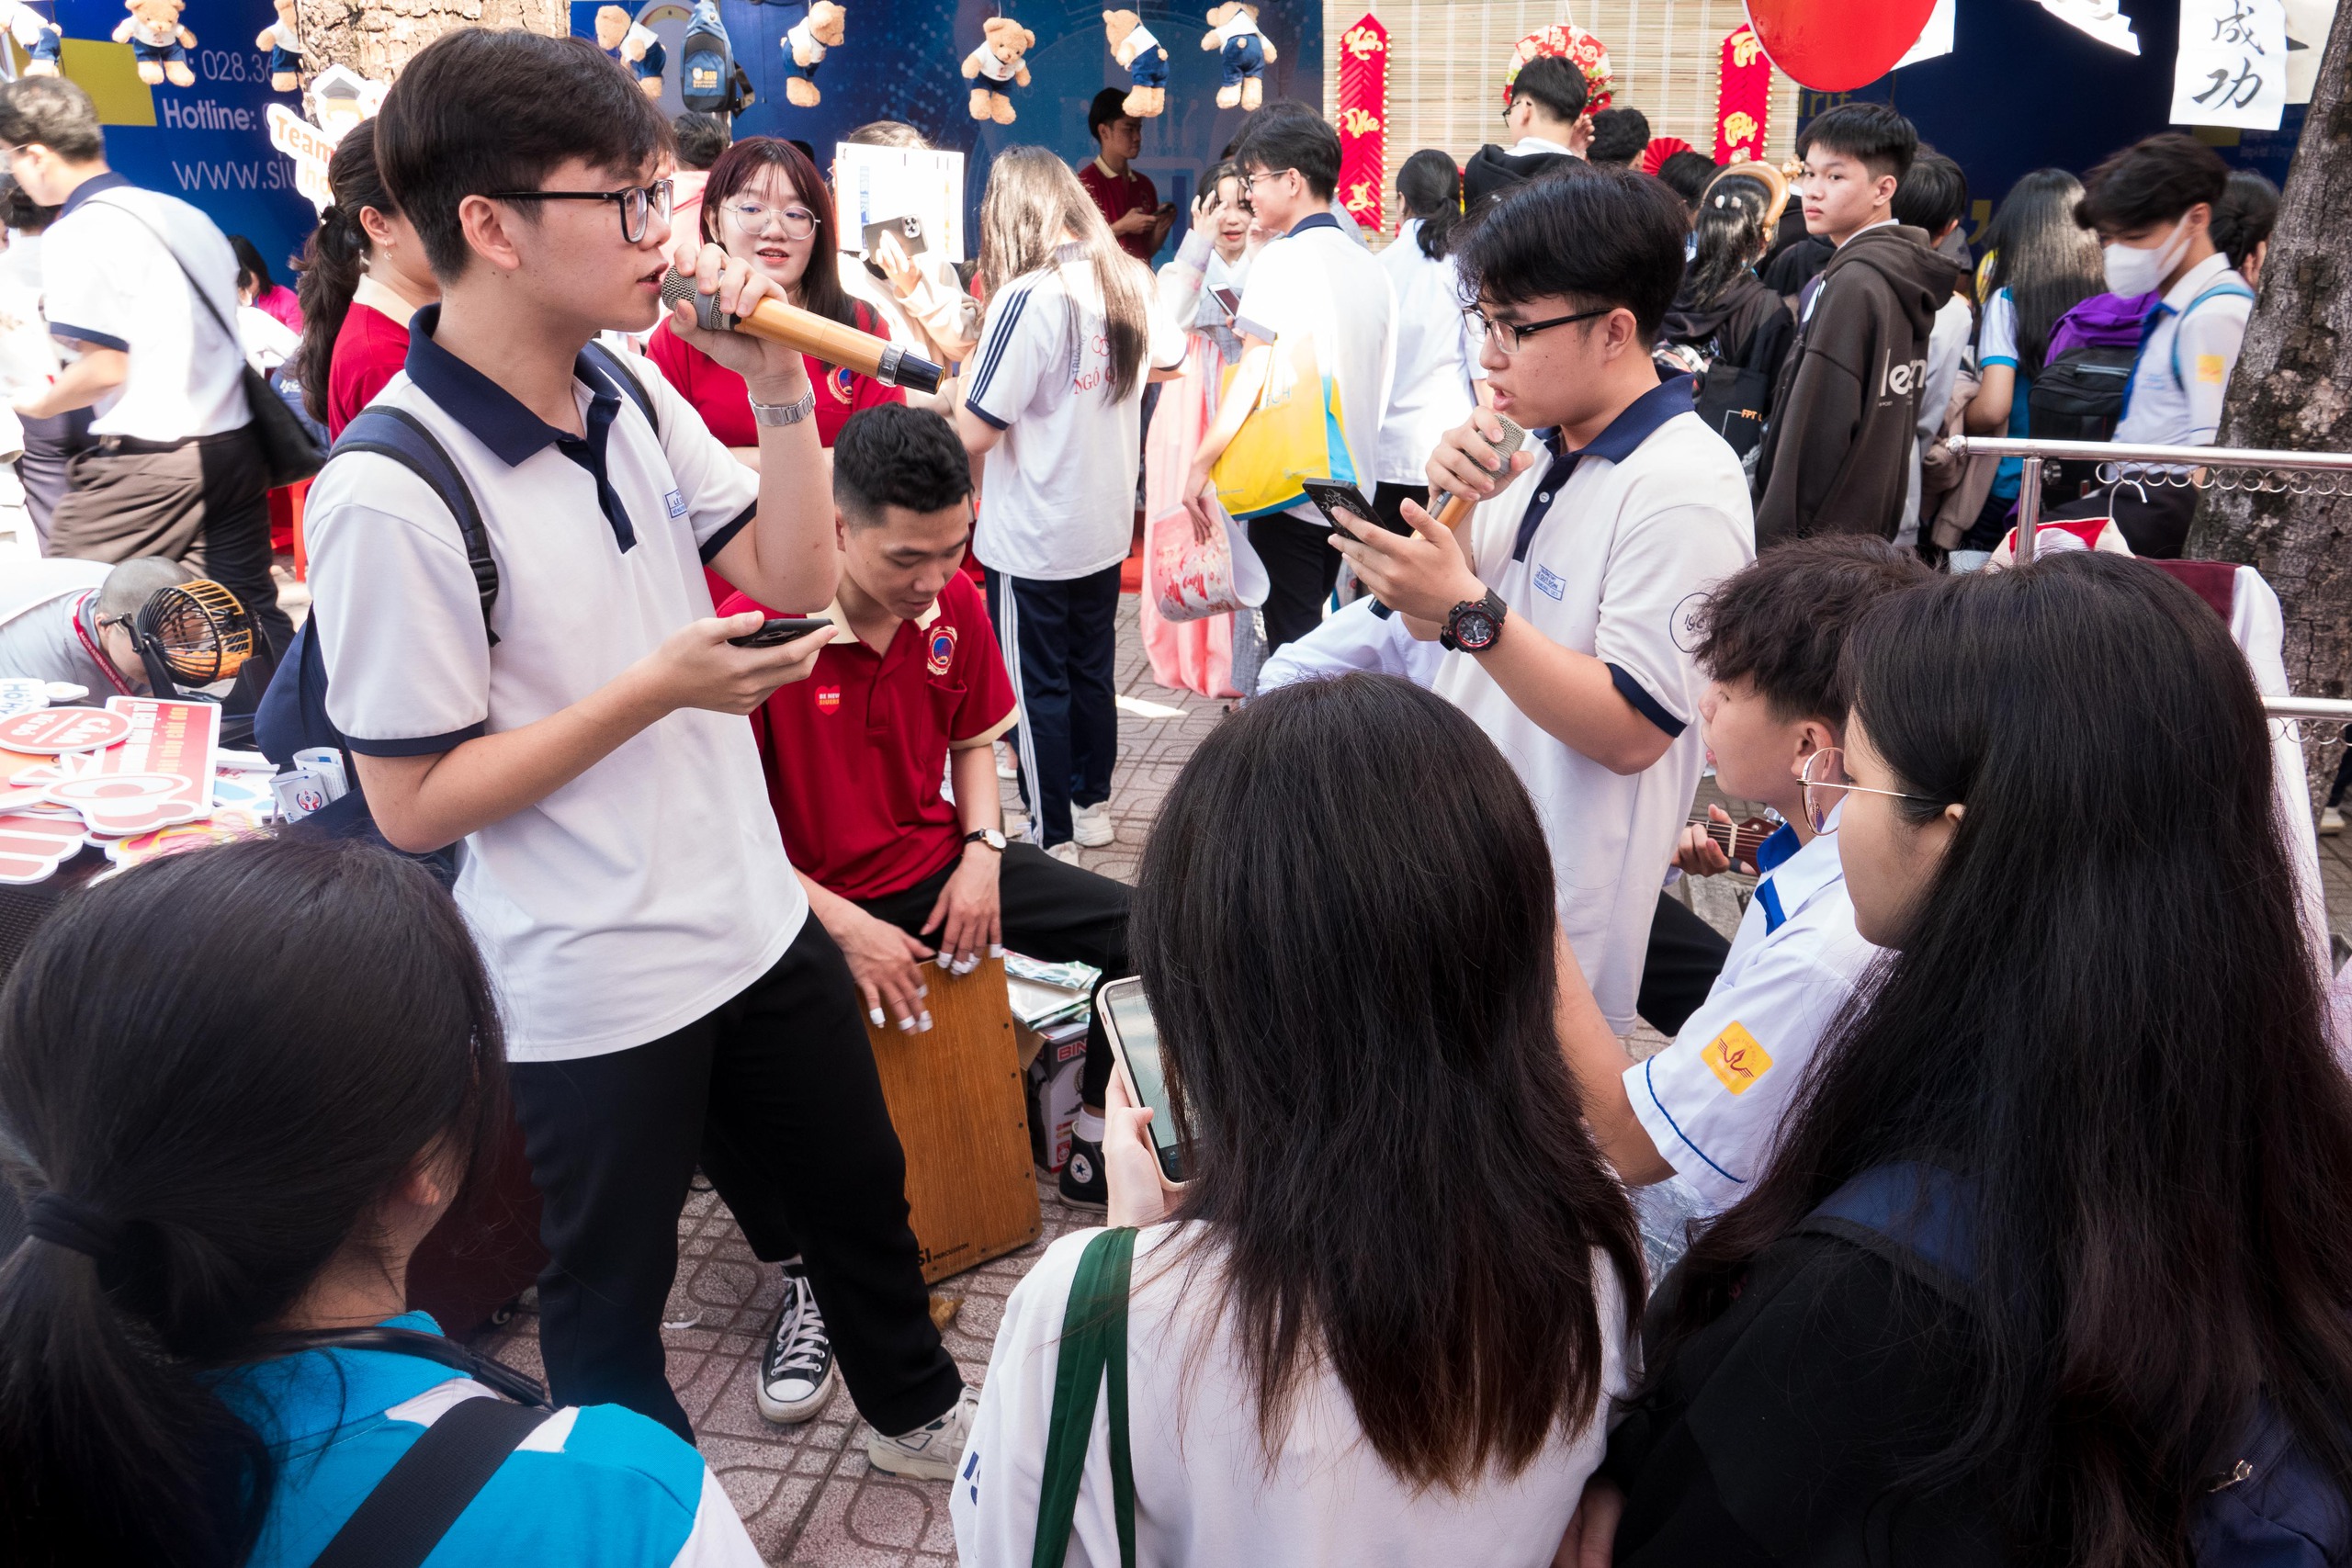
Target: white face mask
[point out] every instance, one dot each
(2131, 270)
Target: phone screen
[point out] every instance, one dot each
(1228, 301)
(1331, 497)
(1135, 1042)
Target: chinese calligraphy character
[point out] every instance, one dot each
(1362, 43)
(1744, 48)
(2234, 27)
(2232, 93)
(1739, 126)
(1361, 196)
(1358, 122)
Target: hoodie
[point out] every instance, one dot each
(1493, 170)
(1837, 452)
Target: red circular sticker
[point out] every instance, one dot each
(63, 729)
(1835, 46)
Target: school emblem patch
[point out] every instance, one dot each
(1736, 1059)
(943, 650)
(827, 698)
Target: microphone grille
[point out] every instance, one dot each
(1513, 437)
(676, 286)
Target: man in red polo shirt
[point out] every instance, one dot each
(1129, 201)
(898, 874)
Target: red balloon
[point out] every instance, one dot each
(1834, 45)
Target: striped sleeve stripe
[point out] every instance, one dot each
(997, 342)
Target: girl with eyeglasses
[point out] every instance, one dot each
(2053, 1260)
(764, 202)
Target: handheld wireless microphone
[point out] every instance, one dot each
(1454, 509)
(810, 333)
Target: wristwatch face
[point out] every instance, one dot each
(1474, 630)
(988, 836)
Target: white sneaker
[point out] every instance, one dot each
(1091, 825)
(1067, 853)
(797, 1370)
(928, 1453)
(1004, 768)
(2331, 822)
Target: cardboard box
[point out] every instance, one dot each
(1052, 1087)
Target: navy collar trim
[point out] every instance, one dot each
(94, 185)
(1314, 220)
(1635, 423)
(490, 414)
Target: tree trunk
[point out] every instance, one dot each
(376, 37)
(2292, 391)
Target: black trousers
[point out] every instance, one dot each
(1685, 955)
(205, 502)
(1060, 641)
(776, 1096)
(1300, 569)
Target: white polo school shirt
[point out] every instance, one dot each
(1713, 1100)
(1600, 551)
(651, 889)
(109, 279)
(2185, 357)
(1057, 493)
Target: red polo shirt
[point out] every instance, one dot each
(854, 753)
(371, 350)
(1118, 195)
(725, 404)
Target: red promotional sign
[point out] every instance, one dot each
(1835, 46)
(162, 772)
(1364, 120)
(63, 729)
(1743, 98)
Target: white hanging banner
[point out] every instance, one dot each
(1935, 38)
(2307, 25)
(2232, 64)
(2097, 18)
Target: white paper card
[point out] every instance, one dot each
(2097, 18)
(1935, 38)
(874, 183)
(2232, 64)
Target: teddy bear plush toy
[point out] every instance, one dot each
(998, 60)
(1245, 51)
(806, 45)
(285, 49)
(635, 45)
(1133, 45)
(158, 43)
(38, 36)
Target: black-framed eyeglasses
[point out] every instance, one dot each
(638, 204)
(1513, 336)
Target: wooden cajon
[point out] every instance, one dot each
(956, 1097)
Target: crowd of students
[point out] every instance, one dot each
(2009, 1119)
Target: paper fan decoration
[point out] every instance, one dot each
(1660, 149)
(1565, 40)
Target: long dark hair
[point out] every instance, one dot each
(224, 1060)
(2122, 1049)
(821, 284)
(2048, 263)
(1389, 1158)
(1730, 237)
(335, 256)
(1430, 187)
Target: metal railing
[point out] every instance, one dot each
(2221, 468)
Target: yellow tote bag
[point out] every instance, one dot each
(1293, 434)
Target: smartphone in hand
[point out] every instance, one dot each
(1135, 1049)
(1331, 498)
(780, 630)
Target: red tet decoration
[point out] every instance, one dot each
(1743, 98)
(1660, 149)
(1834, 45)
(1566, 40)
(1364, 120)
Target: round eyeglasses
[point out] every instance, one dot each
(638, 204)
(752, 217)
(1826, 786)
(1512, 336)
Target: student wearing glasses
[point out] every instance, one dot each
(1708, 1107)
(765, 203)
(1562, 600)
(668, 1000)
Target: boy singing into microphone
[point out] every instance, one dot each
(667, 999)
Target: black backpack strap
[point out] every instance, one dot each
(610, 364)
(402, 436)
(399, 1523)
(1913, 1213)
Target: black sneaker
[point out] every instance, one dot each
(796, 1373)
(1083, 1183)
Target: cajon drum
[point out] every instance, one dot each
(954, 1096)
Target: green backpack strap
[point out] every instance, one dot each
(1093, 1353)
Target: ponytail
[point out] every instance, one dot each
(1430, 189)
(1730, 236)
(203, 1119)
(335, 256)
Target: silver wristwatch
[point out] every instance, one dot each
(784, 413)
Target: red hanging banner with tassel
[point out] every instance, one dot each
(1743, 98)
(1363, 122)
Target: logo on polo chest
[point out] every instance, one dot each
(828, 699)
(942, 651)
